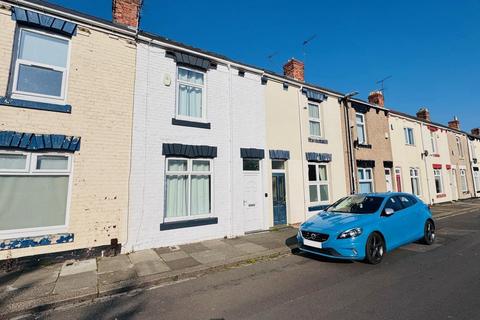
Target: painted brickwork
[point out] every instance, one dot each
(100, 91)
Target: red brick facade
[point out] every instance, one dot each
(126, 12)
(294, 69)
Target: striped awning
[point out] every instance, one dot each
(34, 142)
(43, 21)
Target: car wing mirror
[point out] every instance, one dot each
(387, 212)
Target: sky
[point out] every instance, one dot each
(429, 49)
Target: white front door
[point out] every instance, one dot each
(388, 179)
(453, 184)
(252, 196)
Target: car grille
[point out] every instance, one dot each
(315, 236)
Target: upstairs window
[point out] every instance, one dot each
(191, 94)
(41, 66)
(459, 147)
(314, 120)
(409, 140)
(361, 130)
(433, 141)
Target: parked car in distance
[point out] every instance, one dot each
(366, 226)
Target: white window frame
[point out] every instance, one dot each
(179, 82)
(317, 120)
(362, 123)
(406, 131)
(433, 140)
(463, 179)
(319, 183)
(189, 172)
(371, 180)
(415, 175)
(438, 173)
(17, 94)
(476, 180)
(459, 147)
(30, 170)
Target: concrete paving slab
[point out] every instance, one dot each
(163, 250)
(143, 256)
(194, 247)
(37, 277)
(250, 247)
(117, 263)
(173, 255)
(209, 256)
(82, 283)
(147, 268)
(28, 293)
(116, 276)
(182, 263)
(75, 267)
(213, 244)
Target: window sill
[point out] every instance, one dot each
(317, 140)
(435, 155)
(364, 146)
(27, 104)
(187, 223)
(192, 124)
(441, 195)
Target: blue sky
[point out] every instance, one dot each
(430, 48)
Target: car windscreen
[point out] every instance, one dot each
(357, 204)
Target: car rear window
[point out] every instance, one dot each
(360, 204)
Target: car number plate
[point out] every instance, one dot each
(311, 243)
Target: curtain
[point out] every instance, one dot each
(324, 192)
(32, 201)
(52, 163)
(176, 205)
(322, 173)
(200, 194)
(314, 128)
(313, 193)
(313, 111)
(190, 101)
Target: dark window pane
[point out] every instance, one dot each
(39, 80)
(394, 204)
(251, 165)
(312, 172)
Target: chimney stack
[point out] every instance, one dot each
(423, 114)
(294, 69)
(376, 97)
(126, 12)
(454, 124)
(476, 132)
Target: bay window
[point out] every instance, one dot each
(318, 183)
(41, 66)
(34, 191)
(365, 180)
(188, 188)
(191, 94)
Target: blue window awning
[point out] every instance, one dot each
(43, 21)
(190, 60)
(279, 154)
(314, 95)
(252, 153)
(318, 157)
(366, 163)
(35, 142)
(188, 151)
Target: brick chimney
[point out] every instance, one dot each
(376, 97)
(454, 124)
(476, 132)
(423, 114)
(294, 69)
(126, 12)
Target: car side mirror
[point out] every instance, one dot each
(387, 212)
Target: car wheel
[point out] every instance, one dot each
(375, 248)
(429, 233)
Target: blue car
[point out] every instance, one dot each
(366, 226)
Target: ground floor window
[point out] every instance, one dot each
(415, 180)
(476, 177)
(437, 173)
(463, 180)
(365, 180)
(34, 190)
(188, 188)
(318, 183)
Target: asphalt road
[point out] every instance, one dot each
(414, 282)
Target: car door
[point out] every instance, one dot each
(393, 226)
(411, 214)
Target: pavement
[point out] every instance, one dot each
(33, 291)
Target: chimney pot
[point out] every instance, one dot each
(294, 69)
(454, 124)
(423, 114)
(126, 12)
(376, 97)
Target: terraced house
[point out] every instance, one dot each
(474, 153)
(65, 129)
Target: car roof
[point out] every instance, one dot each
(386, 194)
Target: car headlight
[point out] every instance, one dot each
(350, 233)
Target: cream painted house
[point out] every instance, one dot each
(65, 129)
(474, 154)
(306, 168)
(409, 168)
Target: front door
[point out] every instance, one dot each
(388, 179)
(279, 199)
(252, 195)
(398, 179)
(453, 183)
